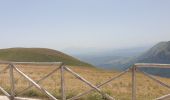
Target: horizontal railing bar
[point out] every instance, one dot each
(154, 65)
(44, 63)
(165, 97)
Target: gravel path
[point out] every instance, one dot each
(5, 98)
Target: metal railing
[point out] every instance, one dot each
(135, 68)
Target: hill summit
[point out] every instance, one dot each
(38, 55)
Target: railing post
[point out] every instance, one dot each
(12, 82)
(62, 84)
(134, 82)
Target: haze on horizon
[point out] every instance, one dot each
(99, 24)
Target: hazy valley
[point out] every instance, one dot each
(125, 58)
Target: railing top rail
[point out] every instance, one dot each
(154, 65)
(44, 63)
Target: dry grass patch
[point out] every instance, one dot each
(119, 88)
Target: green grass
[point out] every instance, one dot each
(38, 55)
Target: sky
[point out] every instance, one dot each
(101, 24)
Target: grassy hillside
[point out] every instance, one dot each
(38, 55)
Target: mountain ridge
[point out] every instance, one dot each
(159, 53)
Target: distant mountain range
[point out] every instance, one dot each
(111, 59)
(38, 55)
(125, 58)
(160, 53)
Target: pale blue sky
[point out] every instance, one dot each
(61, 24)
